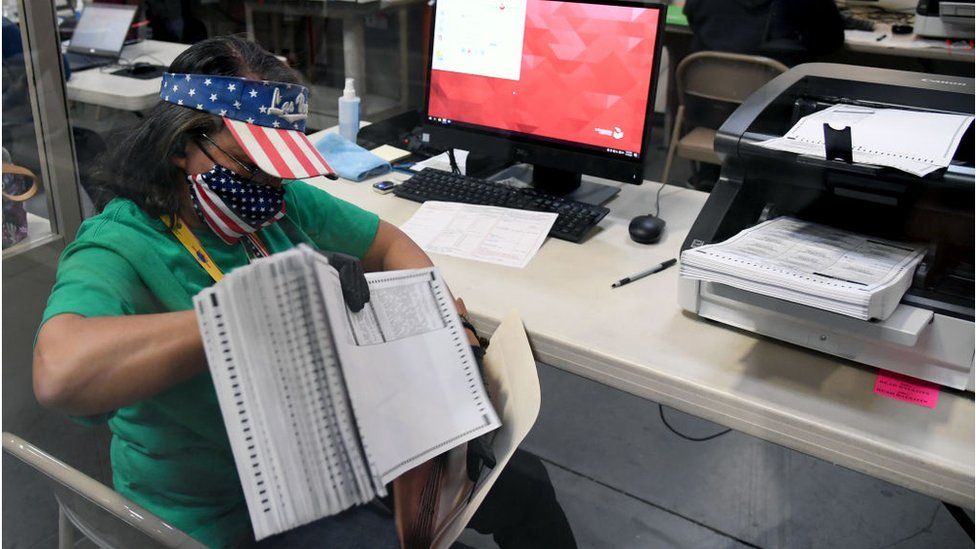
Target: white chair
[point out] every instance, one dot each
(92, 509)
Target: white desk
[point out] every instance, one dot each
(99, 87)
(636, 338)
(905, 45)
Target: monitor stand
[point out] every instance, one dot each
(563, 183)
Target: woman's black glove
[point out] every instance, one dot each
(352, 279)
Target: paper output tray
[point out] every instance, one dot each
(913, 341)
(902, 327)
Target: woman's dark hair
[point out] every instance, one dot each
(139, 165)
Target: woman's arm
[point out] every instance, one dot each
(87, 366)
(392, 249)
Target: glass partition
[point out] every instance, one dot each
(42, 210)
(37, 138)
(378, 43)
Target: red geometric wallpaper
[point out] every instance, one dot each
(584, 67)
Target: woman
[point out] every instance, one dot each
(119, 340)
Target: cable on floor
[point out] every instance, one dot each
(660, 408)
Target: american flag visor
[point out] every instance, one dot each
(267, 119)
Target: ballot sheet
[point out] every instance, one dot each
(915, 142)
(324, 406)
(810, 264)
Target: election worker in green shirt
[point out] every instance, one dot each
(210, 180)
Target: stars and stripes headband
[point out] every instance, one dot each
(267, 119)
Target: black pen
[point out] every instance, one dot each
(655, 269)
(880, 38)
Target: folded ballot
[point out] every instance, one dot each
(323, 406)
(810, 264)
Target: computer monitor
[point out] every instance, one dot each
(567, 86)
(101, 29)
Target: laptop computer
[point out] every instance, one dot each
(99, 35)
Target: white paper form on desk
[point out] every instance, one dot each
(915, 142)
(483, 233)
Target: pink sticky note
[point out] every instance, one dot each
(906, 389)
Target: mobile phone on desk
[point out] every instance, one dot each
(385, 186)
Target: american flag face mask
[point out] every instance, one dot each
(233, 208)
(267, 119)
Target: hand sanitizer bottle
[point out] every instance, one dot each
(349, 112)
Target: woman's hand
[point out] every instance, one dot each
(352, 280)
(463, 311)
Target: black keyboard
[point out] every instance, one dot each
(574, 221)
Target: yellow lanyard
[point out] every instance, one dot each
(192, 245)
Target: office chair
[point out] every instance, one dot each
(96, 511)
(713, 76)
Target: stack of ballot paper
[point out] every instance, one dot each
(915, 142)
(812, 265)
(324, 406)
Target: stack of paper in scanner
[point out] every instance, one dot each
(323, 406)
(915, 142)
(810, 264)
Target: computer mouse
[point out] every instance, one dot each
(646, 229)
(141, 68)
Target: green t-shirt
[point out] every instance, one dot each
(170, 453)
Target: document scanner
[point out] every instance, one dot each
(941, 19)
(930, 335)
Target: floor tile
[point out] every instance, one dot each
(603, 517)
(750, 489)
